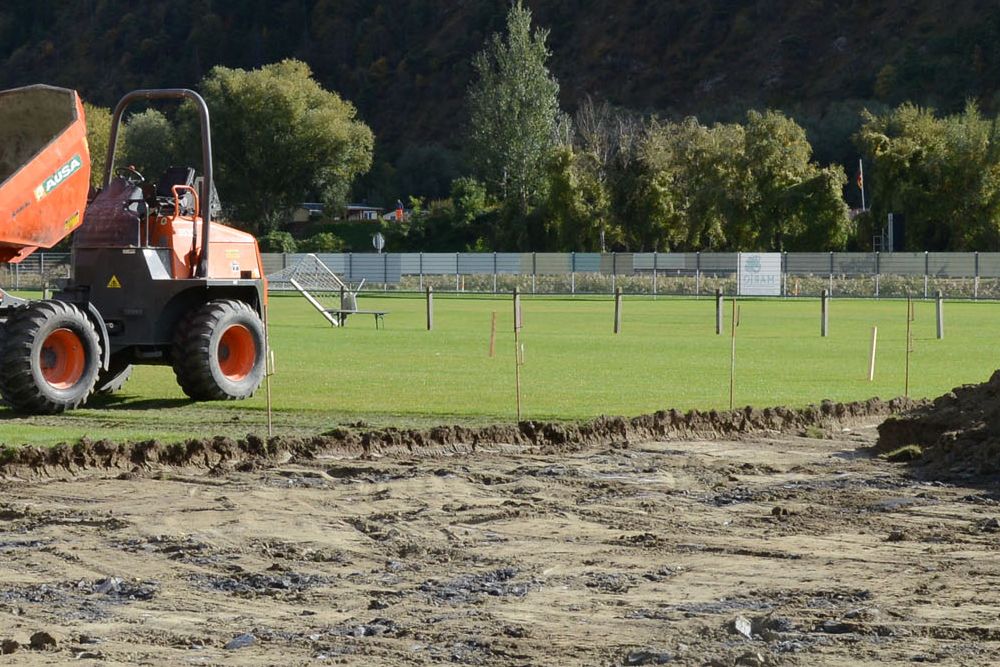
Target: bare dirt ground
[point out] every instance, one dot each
(758, 549)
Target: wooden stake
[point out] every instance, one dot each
(517, 350)
(268, 368)
(909, 344)
(493, 335)
(871, 355)
(732, 360)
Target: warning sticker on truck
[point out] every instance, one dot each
(60, 175)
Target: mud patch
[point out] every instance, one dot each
(470, 588)
(262, 584)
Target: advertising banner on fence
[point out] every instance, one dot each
(759, 274)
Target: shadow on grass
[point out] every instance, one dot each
(120, 403)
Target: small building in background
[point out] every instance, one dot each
(307, 212)
(363, 212)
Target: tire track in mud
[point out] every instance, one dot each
(254, 451)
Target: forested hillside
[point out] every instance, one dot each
(406, 63)
(622, 162)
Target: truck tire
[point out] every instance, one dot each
(218, 352)
(50, 358)
(113, 379)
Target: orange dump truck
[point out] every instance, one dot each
(44, 168)
(154, 280)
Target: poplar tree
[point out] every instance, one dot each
(514, 112)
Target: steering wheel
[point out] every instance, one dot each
(130, 175)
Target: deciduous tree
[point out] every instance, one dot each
(514, 112)
(280, 138)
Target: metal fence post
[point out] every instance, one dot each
(940, 315)
(697, 273)
(877, 267)
(572, 273)
(456, 273)
(718, 311)
(614, 271)
(494, 272)
(534, 270)
(975, 282)
(421, 269)
(784, 274)
(618, 310)
(927, 270)
(430, 308)
(655, 254)
(831, 273)
(824, 307)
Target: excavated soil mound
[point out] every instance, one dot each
(546, 437)
(958, 433)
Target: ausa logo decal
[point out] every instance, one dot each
(60, 175)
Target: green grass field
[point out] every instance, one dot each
(667, 355)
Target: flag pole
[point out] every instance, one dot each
(861, 182)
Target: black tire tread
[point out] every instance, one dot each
(191, 350)
(113, 379)
(17, 380)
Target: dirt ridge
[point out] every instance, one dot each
(254, 451)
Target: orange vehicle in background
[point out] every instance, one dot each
(154, 280)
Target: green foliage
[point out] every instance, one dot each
(277, 241)
(575, 205)
(280, 138)
(943, 174)
(796, 205)
(322, 242)
(686, 187)
(469, 199)
(462, 222)
(98, 120)
(514, 109)
(150, 143)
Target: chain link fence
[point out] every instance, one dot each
(36, 272)
(844, 274)
(862, 275)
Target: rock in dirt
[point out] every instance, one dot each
(991, 525)
(833, 627)
(752, 659)
(742, 625)
(9, 646)
(43, 641)
(240, 641)
(106, 586)
(647, 656)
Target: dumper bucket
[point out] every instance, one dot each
(44, 168)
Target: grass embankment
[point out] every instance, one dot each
(667, 355)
